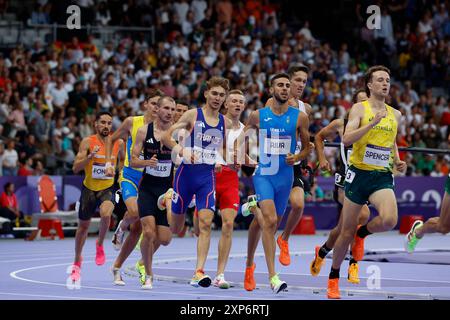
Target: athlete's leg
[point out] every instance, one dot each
(228, 216)
(439, 224)
(106, 209)
(268, 230)
(205, 218)
(297, 201)
(129, 244)
(132, 214)
(80, 239)
(386, 204)
(147, 243)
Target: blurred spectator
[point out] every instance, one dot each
(10, 159)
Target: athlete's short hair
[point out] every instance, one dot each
(154, 93)
(279, 76)
(218, 82)
(236, 91)
(102, 113)
(296, 68)
(161, 100)
(368, 76)
(355, 95)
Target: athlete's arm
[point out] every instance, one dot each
(308, 109)
(137, 148)
(352, 131)
(303, 132)
(121, 133)
(327, 133)
(185, 122)
(83, 156)
(121, 154)
(242, 140)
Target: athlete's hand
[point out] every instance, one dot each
(400, 165)
(324, 165)
(312, 146)
(109, 170)
(217, 168)
(190, 156)
(378, 116)
(153, 162)
(290, 159)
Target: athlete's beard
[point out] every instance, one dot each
(279, 99)
(104, 133)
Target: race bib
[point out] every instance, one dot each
(277, 146)
(377, 156)
(337, 178)
(207, 156)
(349, 176)
(99, 172)
(162, 169)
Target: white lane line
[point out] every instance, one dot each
(14, 275)
(44, 258)
(48, 296)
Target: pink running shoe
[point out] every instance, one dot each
(99, 254)
(75, 276)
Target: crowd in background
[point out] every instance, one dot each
(49, 92)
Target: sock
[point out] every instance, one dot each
(78, 264)
(363, 232)
(334, 273)
(324, 251)
(352, 261)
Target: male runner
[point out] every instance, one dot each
(336, 127)
(372, 130)
(277, 128)
(227, 187)
(182, 107)
(157, 179)
(97, 188)
(129, 182)
(437, 224)
(195, 175)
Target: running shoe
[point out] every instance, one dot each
(75, 275)
(276, 284)
(249, 280)
(148, 283)
(118, 281)
(333, 289)
(141, 270)
(200, 279)
(316, 264)
(411, 238)
(99, 254)
(162, 199)
(284, 258)
(353, 273)
(358, 247)
(219, 281)
(138, 244)
(118, 236)
(250, 204)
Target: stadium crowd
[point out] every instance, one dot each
(50, 91)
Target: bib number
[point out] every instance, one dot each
(277, 146)
(207, 156)
(99, 172)
(337, 178)
(162, 169)
(377, 156)
(349, 176)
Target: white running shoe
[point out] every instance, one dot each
(162, 199)
(118, 281)
(118, 236)
(148, 283)
(219, 281)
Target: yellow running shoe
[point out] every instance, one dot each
(316, 264)
(141, 270)
(353, 273)
(138, 245)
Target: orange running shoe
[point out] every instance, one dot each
(333, 289)
(285, 258)
(316, 264)
(249, 281)
(358, 247)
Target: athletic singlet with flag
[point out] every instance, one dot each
(162, 174)
(277, 137)
(138, 121)
(375, 150)
(95, 178)
(205, 141)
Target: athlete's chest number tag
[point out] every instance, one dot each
(99, 172)
(337, 178)
(277, 146)
(377, 156)
(162, 169)
(349, 176)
